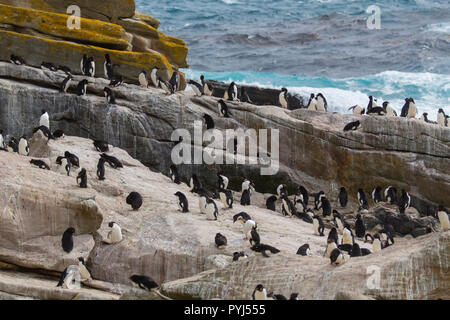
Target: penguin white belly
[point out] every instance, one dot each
(412, 110)
(207, 90)
(115, 235)
(443, 220)
(1, 141)
(44, 121)
(261, 295)
(225, 182)
(299, 206)
(330, 248)
(209, 210)
(84, 272)
(316, 226)
(358, 110)
(223, 199)
(202, 204)
(340, 225)
(142, 80)
(62, 168)
(312, 105)
(225, 95)
(248, 226)
(154, 78)
(376, 246)
(23, 147)
(320, 105)
(340, 259)
(441, 119)
(347, 238)
(196, 90)
(282, 100)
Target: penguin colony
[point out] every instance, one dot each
(337, 251)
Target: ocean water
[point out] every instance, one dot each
(319, 46)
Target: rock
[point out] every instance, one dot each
(69, 54)
(109, 11)
(140, 294)
(349, 295)
(420, 232)
(147, 18)
(52, 25)
(422, 259)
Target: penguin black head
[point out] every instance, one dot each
(71, 230)
(24, 137)
(111, 224)
(259, 287)
(358, 216)
(202, 77)
(81, 259)
(178, 194)
(43, 111)
(294, 296)
(284, 89)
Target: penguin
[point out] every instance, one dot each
(376, 244)
(154, 76)
(357, 110)
(253, 237)
(67, 240)
(338, 221)
(248, 226)
(336, 257)
(347, 236)
(331, 245)
(44, 132)
(84, 271)
(65, 70)
(112, 161)
(259, 293)
(116, 81)
(247, 185)
(443, 218)
(109, 95)
(182, 202)
(101, 169)
(2, 141)
(208, 121)
(72, 158)
(166, 86)
(232, 92)
(356, 251)
(241, 217)
(144, 282)
(83, 63)
(390, 194)
(245, 198)
(143, 79)
(282, 98)
(65, 165)
(388, 110)
(135, 200)
(17, 60)
(282, 189)
(333, 235)
(424, 118)
(39, 163)
(387, 234)
(115, 235)
(67, 276)
(223, 109)
(299, 205)
(312, 103)
(108, 67)
(82, 87)
(48, 66)
(404, 202)
(66, 83)
(304, 250)
(221, 241)
(196, 87)
(270, 203)
(276, 296)
(23, 146)
(13, 145)
(174, 176)
(226, 197)
(441, 117)
(237, 255)
(372, 104)
(409, 109)
(447, 121)
(244, 96)
(362, 199)
(304, 195)
(206, 88)
(82, 177)
(360, 228)
(321, 104)
(318, 226)
(175, 81)
(372, 107)
(343, 197)
(376, 195)
(101, 145)
(287, 208)
(325, 206)
(211, 209)
(202, 203)
(222, 180)
(317, 198)
(264, 249)
(352, 126)
(44, 119)
(195, 184)
(89, 67)
(58, 134)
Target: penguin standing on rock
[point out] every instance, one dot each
(283, 99)
(282, 190)
(196, 87)
(174, 176)
(331, 245)
(388, 110)
(360, 228)
(206, 87)
(67, 240)
(101, 146)
(259, 293)
(343, 197)
(325, 206)
(404, 201)
(175, 81)
(72, 158)
(108, 67)
(109, 95)
(270, 203)
(66, 83)
(82, 87)
(287, 208)
(83, 63)
(304, 195)
(321, 104)
(376, 195)
(441, 118)
(211, 210)
(443, 218)
(244, 96)
(135, 200)
(67, 276)
(253, 236)
(223, 109)
(209, 122)
(82, 178)
(195, 184)
(182, 202)
(318, 226)
(166, 86)
(357, 109)
(312, 103)
(338, 221)
(101, 169)
(222, 180)
(333, 235)
(23, 146)
(44, 119)
(317, 198)
(409, 109)
(154, 76)
(362, 199)
(84, 271)
(336, 257)
(143, 79)
(65, 165)
(226, 197)
(115, 235)
(390, 194)
(89, 67)
(232, 92)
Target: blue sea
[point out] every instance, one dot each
(319, 46)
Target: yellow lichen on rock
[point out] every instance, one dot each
(36, 49)
(147, 19)
(53, 24)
